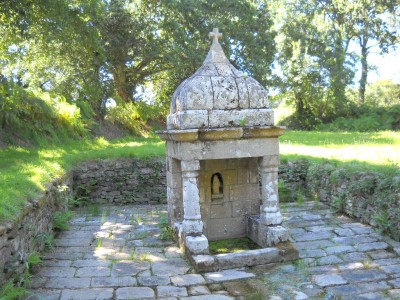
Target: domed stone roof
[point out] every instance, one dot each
(217, 95)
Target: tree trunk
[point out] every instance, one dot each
(364, 68)
(121, 84)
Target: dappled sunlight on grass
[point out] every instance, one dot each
(339, 139)
(378, 154)
(376, 151)
(26, 172)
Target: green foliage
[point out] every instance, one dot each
(167, 233)
(369, 196)
(34, 259)
(46, 239)
(232, 245)
(383, 93)
(30, 114)
(61, 220)
(367, 118)
(131, 116)
(11, 291)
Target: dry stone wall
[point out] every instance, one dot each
(371, 197)
(31, 230)
(128, 180)
(107, 181)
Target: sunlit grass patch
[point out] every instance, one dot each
(24, 173)
(378, 151)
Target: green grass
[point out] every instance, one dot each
(25, 172)
(373, 151)
(232, 245)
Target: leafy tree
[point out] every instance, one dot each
(164, 42)
(383, 93)
(53, 46)
(314, 68)
(370, 23)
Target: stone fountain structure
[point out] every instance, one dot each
(222, 165)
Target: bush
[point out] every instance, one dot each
(366, 119)
(29, 114)
(134, 116)
(126, 115)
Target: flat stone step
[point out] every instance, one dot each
(227, 275)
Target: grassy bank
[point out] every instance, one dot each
(24, 172)
(376, 151)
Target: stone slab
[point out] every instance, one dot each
(113, 281)
(352, 289)
(329, 260)
(170, 267)
(126, 293)
(67, 283)
(209, 297)
(87, 294)
(364, 275)
(42, 294)
(339, 249)
(187, 280)
(153, 280)
(129, 268)
(392, 269)
(227, 275)
(248, 258)
(171, 291)
(198, 290)
(64, 272)
(329, 280)
(93, 272)
(395, 282)
(372, 246)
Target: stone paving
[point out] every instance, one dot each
(120, 253)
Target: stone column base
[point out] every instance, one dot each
(191, 244)
(196, 244)
(266, 236)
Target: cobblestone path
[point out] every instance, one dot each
(118, 252)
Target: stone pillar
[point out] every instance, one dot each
(270, 231)
(269, 213)
(192, 225)
(174, 191)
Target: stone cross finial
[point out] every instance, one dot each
(215, 34)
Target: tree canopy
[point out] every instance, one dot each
(88, 51)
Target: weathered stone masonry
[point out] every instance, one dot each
(29, 231)
(120, 181)
(26, 234)
(125, 180)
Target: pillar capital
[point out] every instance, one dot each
(190, 165)
(269, 161)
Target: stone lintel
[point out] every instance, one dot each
(215, 134)
(239, 148)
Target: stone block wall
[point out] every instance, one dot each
(127, 180)
(29, 231)
(224, 212)
(371, 197)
